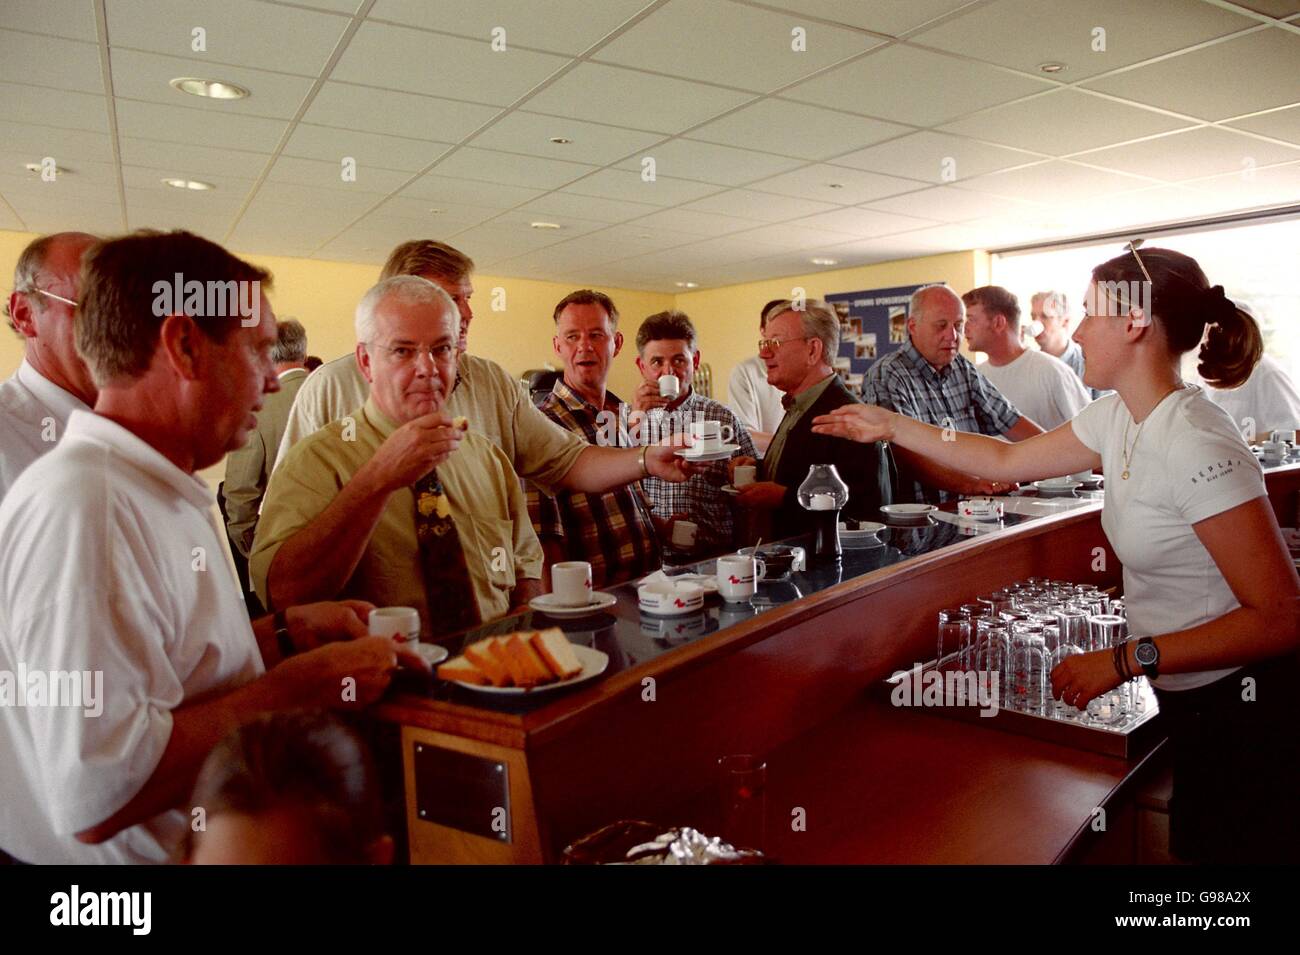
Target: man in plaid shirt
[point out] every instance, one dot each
(929, 380)
(666, 345)
(612, 530)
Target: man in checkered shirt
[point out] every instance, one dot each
(927, 379)
(666, 345)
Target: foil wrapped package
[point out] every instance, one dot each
(644, 843)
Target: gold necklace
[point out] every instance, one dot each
(1128, 452)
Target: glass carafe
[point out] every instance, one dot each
(823, 493)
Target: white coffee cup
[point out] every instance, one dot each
(402, 624)
(706, 435)
(684, 533)
(1274, 450)
(1287, 437)
(738, 576)
(669, 386)
(571, 583)
(1082, 476)
(745, 474)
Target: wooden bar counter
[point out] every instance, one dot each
(488, 781)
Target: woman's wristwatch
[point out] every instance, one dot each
(1147, 654)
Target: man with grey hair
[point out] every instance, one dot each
(52, 381)
(929, 380)
(249, 469)
(798, 347)
(398, 503)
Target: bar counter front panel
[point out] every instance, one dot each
(515, 779)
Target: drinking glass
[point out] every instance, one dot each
(743, 793)
(1028, 667)
(954, 636)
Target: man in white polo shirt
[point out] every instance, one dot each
(125, 649)
(52, 380)
(1043, 388)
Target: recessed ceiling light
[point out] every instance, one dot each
(545, 225)
(835, 185)
(644, 235)
(825, 261)
(192, 184)
(561, 140)
(1052, 67)
(688, 285)
(437, 212)
(212, 89)
(40, 168)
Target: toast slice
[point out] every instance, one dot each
(462, 671)
(557, 652)
(488, 661)
(526, 667)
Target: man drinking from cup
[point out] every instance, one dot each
(398, 503)
(667, 357)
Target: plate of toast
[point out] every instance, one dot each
(527, 661)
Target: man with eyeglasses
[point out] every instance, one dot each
(798, 347)
(929, 380)
(52, 381)
(398, 503)
(550, 457)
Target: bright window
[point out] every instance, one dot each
(1257, 264)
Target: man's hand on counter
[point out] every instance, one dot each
(761, 495)
(982, 488)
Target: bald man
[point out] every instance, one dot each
(928, 379)
(52, 381)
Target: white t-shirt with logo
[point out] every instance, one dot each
(1042, 387)
(1187, 464)
(110, 563)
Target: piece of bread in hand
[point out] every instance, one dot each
(489, 661)
(460, 421)
(461, 670)
(555, 649)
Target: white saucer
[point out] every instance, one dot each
(547, 605)
(432, 653)
(723, 452)
(730, 489)
(1055, 487)
(909, 513)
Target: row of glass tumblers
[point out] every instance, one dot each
(1023, 631)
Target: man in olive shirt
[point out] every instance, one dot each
(550, 457)
(340, 513)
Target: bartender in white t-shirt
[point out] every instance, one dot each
(1210, 590)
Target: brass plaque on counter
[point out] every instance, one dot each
(461, 791)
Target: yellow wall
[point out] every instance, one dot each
(727, 318)
(322, 295)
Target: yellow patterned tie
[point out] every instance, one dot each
(452, 605)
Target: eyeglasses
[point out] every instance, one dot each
(772, 344)
(406, 354)
(1133, 247)
(60, 298)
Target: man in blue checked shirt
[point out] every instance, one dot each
(666, 345)
(929, 380)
